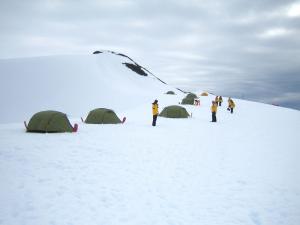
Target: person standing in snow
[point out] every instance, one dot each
(154, 112)
(217, 100)
(220, 100)
(214, 108)
(231, 105)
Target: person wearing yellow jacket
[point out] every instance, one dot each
(220, 100)
(231, 105)
(217, 100)
(154, 112)
(214, 109)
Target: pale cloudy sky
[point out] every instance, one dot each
(246, 49)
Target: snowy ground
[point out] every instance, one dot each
(72, 84)
(244, 169)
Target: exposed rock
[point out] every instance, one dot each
(136, 68)
(97, 52)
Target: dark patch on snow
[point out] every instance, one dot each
(185, 92)
(136, 68)
(161, 80)
(154, 75)
(97, 52)
(120, 54)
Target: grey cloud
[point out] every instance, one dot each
(221, 46)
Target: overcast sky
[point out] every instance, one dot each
(246, 49)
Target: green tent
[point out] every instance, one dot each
(191, 95)
(102, 116)
(189, 99)
(170, 93)
(49, 122)
(174, 111)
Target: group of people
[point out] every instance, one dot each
(218, 102)
(214, 108)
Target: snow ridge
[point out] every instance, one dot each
(73, 84)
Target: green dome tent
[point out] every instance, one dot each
(102, 116)
(170, 93)
(49, 122)
(174, 111)
(191, 95)
(189, 99)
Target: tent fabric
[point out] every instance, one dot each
(191, 95)
(102, 116)
(174, 111)
(170, 93)
(49, 122)
(189, 99)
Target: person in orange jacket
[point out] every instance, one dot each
(154, 112)
(214, 109)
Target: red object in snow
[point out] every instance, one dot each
(197, 102)
(75, 128)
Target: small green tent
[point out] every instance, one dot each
(102, 116)
(191, 95)
(49, 122)
(174, 111)
(170, 93)
(189, 99)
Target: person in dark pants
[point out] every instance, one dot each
(214, 108)
(231, 105)
(217, 100)
(220, 100)
(154, 112)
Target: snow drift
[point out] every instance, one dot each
(72, 84)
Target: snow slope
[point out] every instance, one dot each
(244, 169)
(72, 84)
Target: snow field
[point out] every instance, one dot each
(244, 169)
(241, 170)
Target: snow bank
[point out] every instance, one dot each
(244, 169)
(72, 84)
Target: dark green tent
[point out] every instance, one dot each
(191, 95)
(170, 93)
(49, 122)
(189, 99)
(174, 111)
(102, 116)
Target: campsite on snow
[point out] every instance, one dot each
(116, 168)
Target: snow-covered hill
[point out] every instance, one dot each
(244, 169)
(72, 84)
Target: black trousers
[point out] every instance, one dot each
(231, 110)
(214, 117)
(220, 103)
(154, 120)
